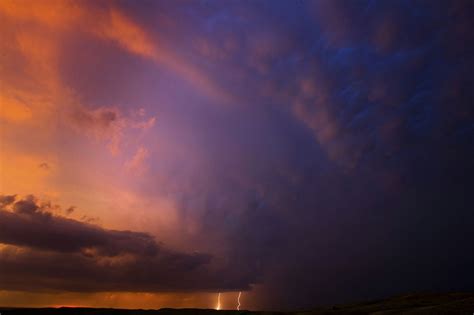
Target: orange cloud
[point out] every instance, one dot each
(13, 110)
(131, 37)
(21, 172)
(136, 164)
(128, 35)
(53, 13)
(112, 24)
(40, 113)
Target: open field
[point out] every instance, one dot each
(450, 303)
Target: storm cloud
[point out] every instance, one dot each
(57, 253)
(306, 152)
(346, 171)
(29, 225)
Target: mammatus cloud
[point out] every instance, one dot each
(57, 253)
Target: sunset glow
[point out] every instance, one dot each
(234, 154)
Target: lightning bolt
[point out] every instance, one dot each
(238, 301)
(218, 306)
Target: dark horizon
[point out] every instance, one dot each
(448, 303)
(302, 153)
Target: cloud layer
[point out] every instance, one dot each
(51, 252)
(307, 152)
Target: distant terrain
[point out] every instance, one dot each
(450, 303)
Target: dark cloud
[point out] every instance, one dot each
(46, 271)
(6, 200)
(70, 210)
(343, 171)
(55, 253)
(30, 224)
(346, 172)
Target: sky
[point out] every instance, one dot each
(156, 153)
